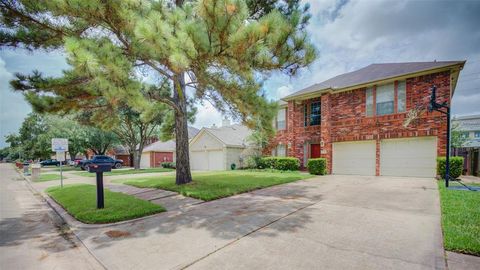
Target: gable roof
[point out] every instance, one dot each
(169, 146)
(374, 73)
(468, 122)
(233, 135)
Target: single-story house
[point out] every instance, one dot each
(372, 121)
(217, 148)
(156, 153)
(469, 126)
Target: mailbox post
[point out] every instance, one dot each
(99, 169)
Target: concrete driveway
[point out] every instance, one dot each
(329, 222)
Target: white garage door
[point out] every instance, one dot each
(408, 157)
(207, 160)
(145, 160)
(356, 157)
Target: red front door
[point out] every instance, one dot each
(314, 150)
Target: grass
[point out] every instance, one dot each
(126, 172)
(66, 168)
(460, 219)
(215, 185)
(49, 177)
(80, 201)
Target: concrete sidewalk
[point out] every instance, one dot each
(329, 222)
(31, 235)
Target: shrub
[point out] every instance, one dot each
(280, 163)
(169, 165)
(317, 166)
(253, 162)
(456, 166)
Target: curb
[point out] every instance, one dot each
(72, 222)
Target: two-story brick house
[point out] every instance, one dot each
(357, 120)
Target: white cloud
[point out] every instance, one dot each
(207, 115)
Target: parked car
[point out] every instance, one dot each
(116, 163)
(50, 162)
(74, 162)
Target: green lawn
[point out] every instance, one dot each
(49, 177)
(127, 171)
(66, 168)
(460, 219)
(215, 185)
(80, 202)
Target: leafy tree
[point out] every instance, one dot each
(219, 49)
(100, 141)
(457, 137)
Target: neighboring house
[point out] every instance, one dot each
(156, 153)
(217, 148)
(469, 126)
(356, 120)
(121, 152)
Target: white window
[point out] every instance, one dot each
(281, 150)
(281, 119)
(384, 96)
(385, 99)
(402, 96)
(369, 109)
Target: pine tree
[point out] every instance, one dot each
(221, 50)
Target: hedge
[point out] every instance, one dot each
(456, 166)
(317, 166)
(170, 165)
(280, 163)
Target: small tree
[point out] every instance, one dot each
(220, 49)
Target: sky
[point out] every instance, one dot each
(347, 34)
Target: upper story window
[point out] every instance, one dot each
(312, 114)
(281, 118)
(315, 113)
(464, 135)
(477, 134)
(380, 100)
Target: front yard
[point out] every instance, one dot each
(460, 219)
(215, 185)
(49, 177)
(80, 202)
(126, 172)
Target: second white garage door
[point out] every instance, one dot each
(207, 160)
(408, 157)
(356, 157)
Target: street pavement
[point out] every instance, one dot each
(31, 235)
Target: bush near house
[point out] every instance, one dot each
(456, 166)
(169, 165)
(280, 163)
(317, 166)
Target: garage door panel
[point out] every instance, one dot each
(408, 157)
(215, 161)
(354, 157)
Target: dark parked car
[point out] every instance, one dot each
(116, 163)
(50, 162)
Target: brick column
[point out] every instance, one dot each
(325, 131)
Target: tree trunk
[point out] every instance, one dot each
(137, 157)
(183, 175)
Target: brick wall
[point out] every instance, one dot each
(343, 119)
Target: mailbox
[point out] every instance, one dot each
(96, 168)
(99, 169)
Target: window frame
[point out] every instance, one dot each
(396, 98)
(311, 115)
(285, 121)
(476, 134)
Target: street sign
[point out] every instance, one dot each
(59, 144)
(60, 155)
